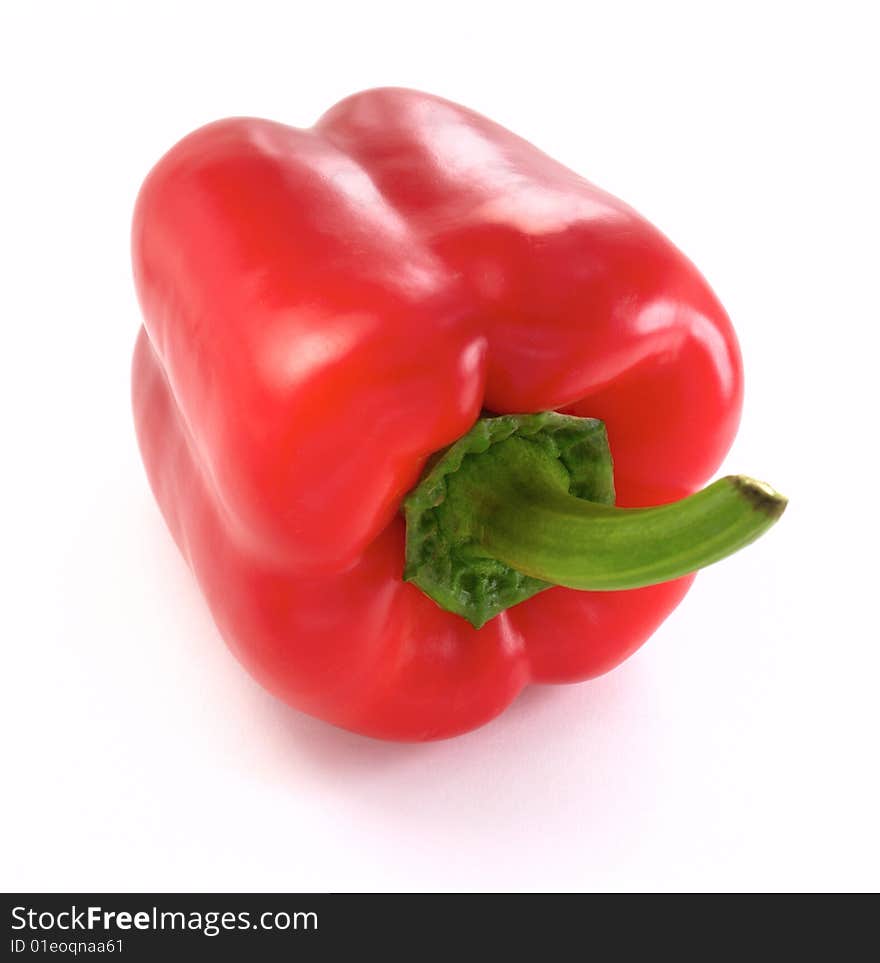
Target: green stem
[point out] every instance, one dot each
(525, 502)
(558, 538)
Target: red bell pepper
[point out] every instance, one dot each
(326, 310)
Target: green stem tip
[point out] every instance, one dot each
(525, 502)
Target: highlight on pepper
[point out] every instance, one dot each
(430, 416)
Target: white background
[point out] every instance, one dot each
(736, 750)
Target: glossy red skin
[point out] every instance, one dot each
(324, 309)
